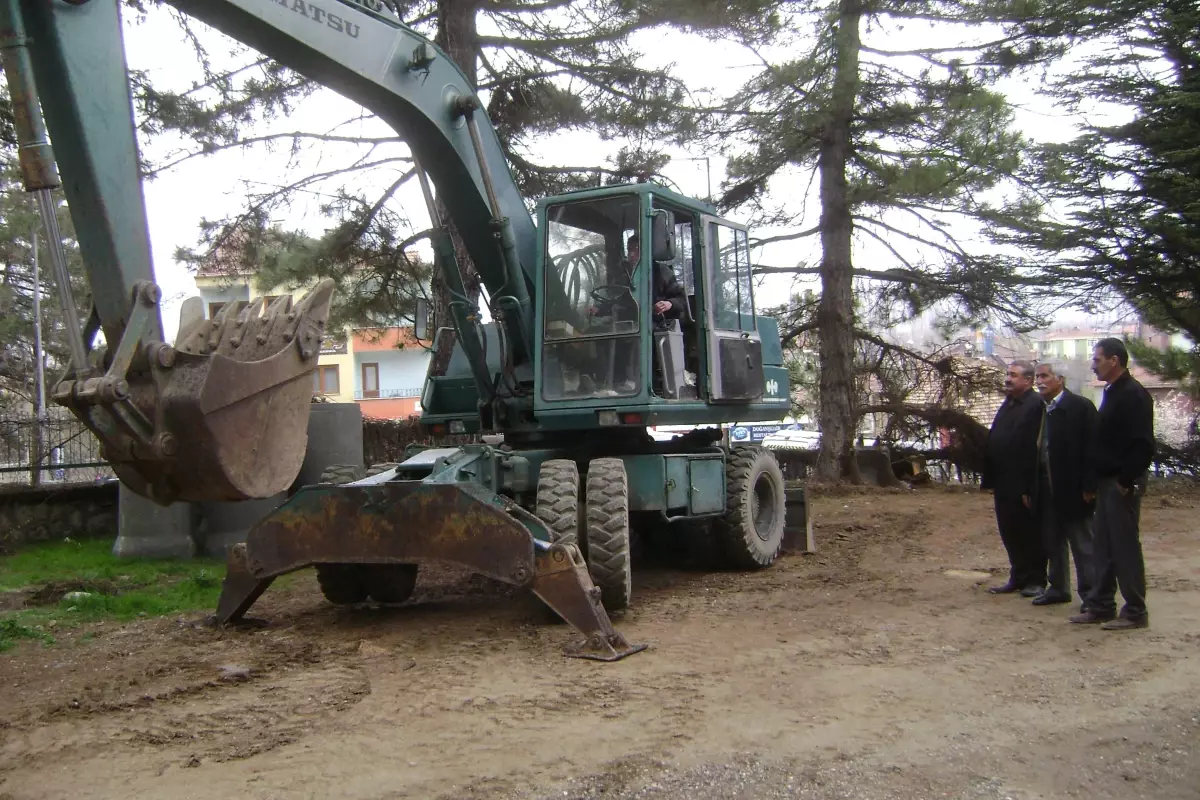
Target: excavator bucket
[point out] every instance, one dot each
(224, 414)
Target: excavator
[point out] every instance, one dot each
(578, 354)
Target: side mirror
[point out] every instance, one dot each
(421, 320)
(662, 236)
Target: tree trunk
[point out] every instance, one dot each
(457, 36)
(835, 313)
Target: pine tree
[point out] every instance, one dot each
(19, 220)
(542, 66)
(1117, 209)
(903, 158)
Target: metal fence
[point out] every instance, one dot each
(384, 394)
(59, 449)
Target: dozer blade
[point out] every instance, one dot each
(227, 408)
(416, 522)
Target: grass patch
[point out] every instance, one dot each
(67, 583)
(11, 630)
(89, 561)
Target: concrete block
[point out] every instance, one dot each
(148, 530)
(335, 436)
(223, 525)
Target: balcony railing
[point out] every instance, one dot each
(386, 394)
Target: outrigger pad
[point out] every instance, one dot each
(562, 581)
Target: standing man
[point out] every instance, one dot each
(1010, 471)
(1124, 449)
(1066, 486)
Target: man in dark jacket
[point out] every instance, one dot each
(1124, 449)
(1010, 471)
(1066, 486)
(670, 300)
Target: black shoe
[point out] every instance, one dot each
(1007, 588)
(1092, 617)
(1050, 598)
(1031, 591)
(1126, 624)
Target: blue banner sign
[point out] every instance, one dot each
(756, 432)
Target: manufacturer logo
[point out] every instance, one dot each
(739, 434)
(322, 17)
(772, 386)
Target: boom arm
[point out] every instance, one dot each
(75, 50)
(413, 86)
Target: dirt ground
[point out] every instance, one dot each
(877, 668)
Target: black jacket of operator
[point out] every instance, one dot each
(1011, 459)
(666, 287)
(1072, 435)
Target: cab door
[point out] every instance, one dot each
(735, 363)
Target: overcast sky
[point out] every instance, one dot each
(213, 186)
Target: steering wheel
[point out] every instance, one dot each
(610, 294)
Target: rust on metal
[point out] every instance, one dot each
(240, 589)
(403, 522)
(221, 416)
(563, 583)
(417, 522)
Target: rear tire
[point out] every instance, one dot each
(751, 532)
(608, 532)
(391, 584)
(343, 584)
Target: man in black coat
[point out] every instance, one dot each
(1066, 486)
(1124, 449)
(1010, 471)
(670, 300)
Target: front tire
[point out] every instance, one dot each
(343, 584)
(558, 499)
(608, 532)
(751, 532)
(391, 584)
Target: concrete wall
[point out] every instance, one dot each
(55, 513)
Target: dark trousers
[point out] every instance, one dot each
(1019, 531)
(1118, 544)
(1061, 533)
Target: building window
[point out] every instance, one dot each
(325, 380)
(214, 309)
(271, 298)
(370, 380)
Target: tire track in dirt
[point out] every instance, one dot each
(863, 657)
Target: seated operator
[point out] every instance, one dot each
(670, 301)
(669, 297)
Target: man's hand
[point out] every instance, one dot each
(1089, 497)
(662, 306)
(1027, 500)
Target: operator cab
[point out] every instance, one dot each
(648, 300)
